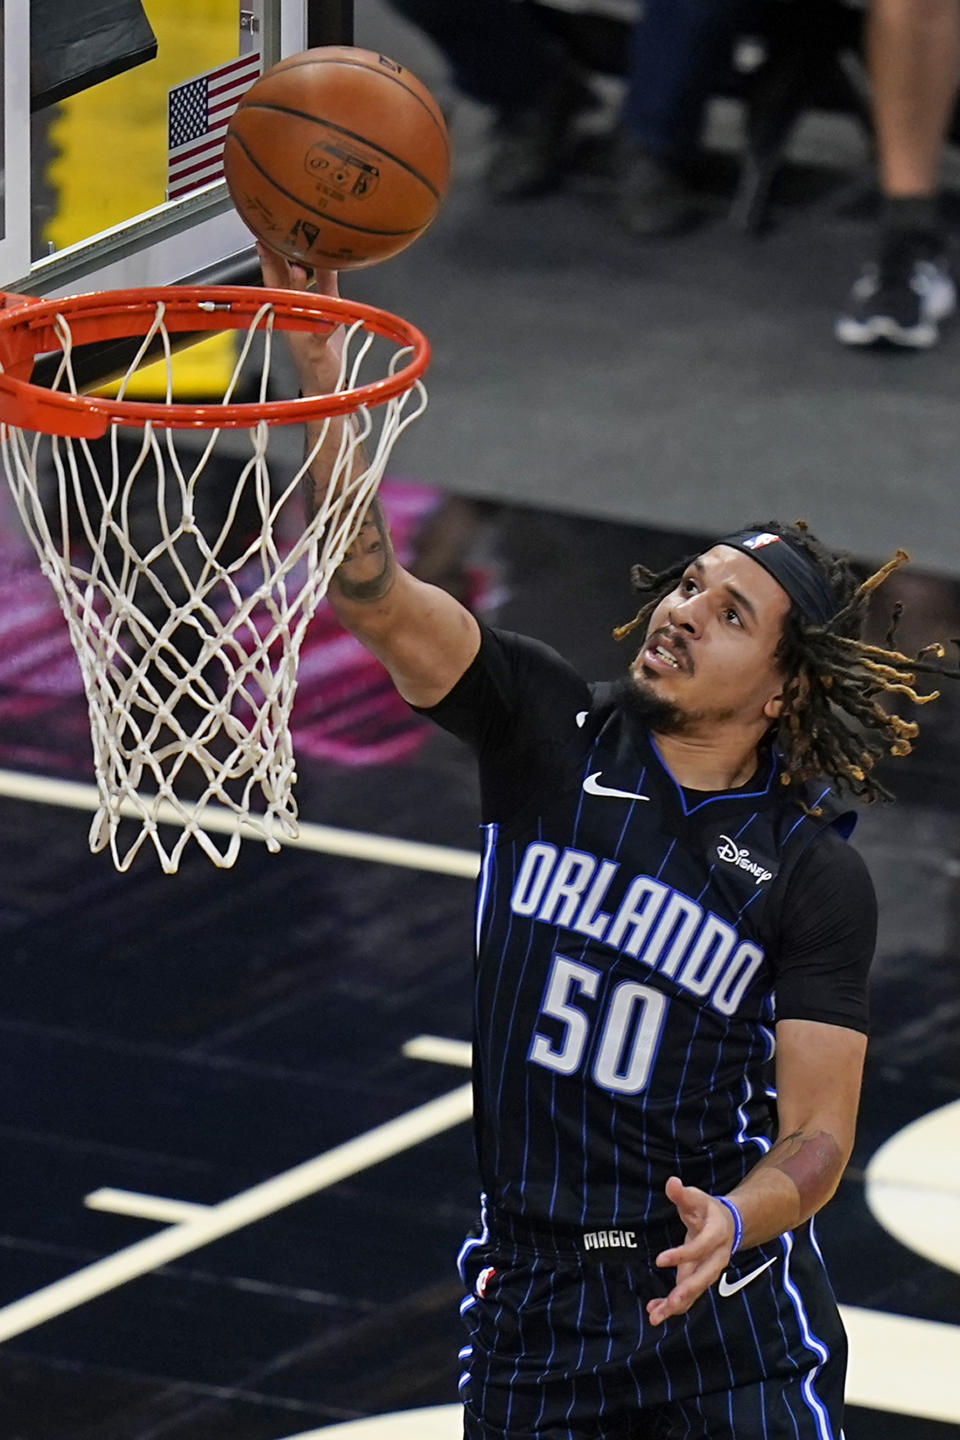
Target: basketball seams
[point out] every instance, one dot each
(375, 173)
(323, 214)
(436, 118)
(340, 130)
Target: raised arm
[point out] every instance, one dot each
(819, 1071)
(423, 636)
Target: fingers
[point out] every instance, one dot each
(709, 1227)
(678, 1302)
(326, 281)
(279, 273)
(702, 1256)
(694, 1278)
(692, 1281)
(661, 1309)
(273, 267)
(708, 1241)
(692, 1204)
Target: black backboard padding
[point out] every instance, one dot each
(99, 364)
(75, 46)
(329, 22)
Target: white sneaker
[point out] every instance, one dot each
(899, 300)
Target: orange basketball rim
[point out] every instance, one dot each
(30, 327)
(189, 562)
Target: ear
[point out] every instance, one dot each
(773, 707)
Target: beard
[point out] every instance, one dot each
(647, 710)
(650, 711)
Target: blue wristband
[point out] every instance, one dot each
(737, 1221)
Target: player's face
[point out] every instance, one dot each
(710, 647)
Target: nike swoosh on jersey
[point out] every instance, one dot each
(593, 787)
(730, 1287)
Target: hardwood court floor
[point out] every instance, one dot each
(191, 1037)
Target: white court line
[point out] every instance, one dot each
(897, 1363)
(913, 1185)
(143, 1207)
(901, 1364)
(261, 1200)
(920, 1360)
(439, 1049)
(353, 844)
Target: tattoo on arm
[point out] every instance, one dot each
(812, 1162)
(308, 490)
(369, 566)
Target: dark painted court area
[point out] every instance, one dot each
(189, 1037)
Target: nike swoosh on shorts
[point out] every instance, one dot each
(593, 787)
(730, 1287)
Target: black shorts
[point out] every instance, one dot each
(560, 1346)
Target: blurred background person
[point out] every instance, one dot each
(520, 59)
(913, 57)
(524, 60)
(503, 54)
(679, 53)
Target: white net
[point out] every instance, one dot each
(188, 565)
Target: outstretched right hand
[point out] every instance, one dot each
(282, 274)
(316, 353)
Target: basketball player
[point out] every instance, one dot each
(673, 940)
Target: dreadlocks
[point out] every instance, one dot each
(832, 723)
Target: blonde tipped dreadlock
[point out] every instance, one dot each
(832, 723)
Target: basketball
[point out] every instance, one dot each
(337, 158)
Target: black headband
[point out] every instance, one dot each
(792, 569)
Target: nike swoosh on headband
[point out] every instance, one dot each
(730, 1287)
(593, 787)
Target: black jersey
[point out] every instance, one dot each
(635, 944)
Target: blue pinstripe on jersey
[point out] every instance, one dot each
(487, 867)
(474, 1242)
(817, 1408)
(586, 896)
(689, 809)
(555, 1142)
(746, 1301)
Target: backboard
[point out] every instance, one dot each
(118, 184)
(14, 140)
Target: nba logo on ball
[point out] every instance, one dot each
(333, 203)
(338, 174)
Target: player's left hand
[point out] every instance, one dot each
(704, 1254)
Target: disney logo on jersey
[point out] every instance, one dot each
(735, 854)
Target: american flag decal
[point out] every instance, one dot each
(198, 112)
